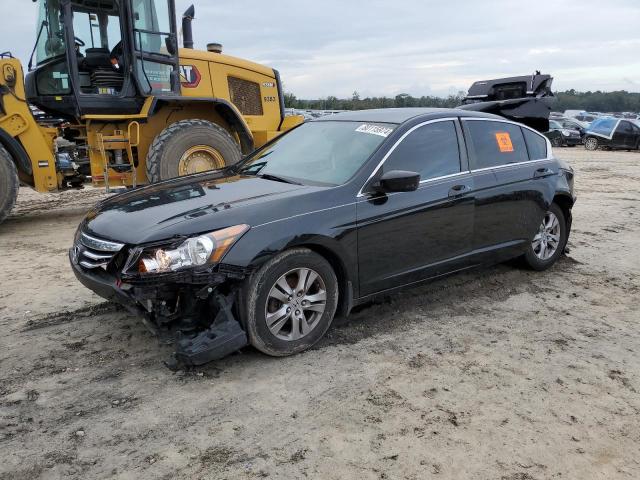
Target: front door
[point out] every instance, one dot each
(408, 236)
(155, 46)
(621, 134)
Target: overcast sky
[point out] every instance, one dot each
(421, 47)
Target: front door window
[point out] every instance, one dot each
(155, 45)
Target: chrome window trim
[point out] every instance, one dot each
(511, 122)
(444, 177)
(514, 164)
(395, 145)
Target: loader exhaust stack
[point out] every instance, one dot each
(187, 32)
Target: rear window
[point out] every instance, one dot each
(536, 144)
(493, 144)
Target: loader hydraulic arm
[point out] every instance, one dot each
(30, 145)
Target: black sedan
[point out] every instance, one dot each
(341, 209)
(561, 136)
(612, 133)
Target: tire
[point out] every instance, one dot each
(258, 303)
(9, 184)
(556, 142)
(533, 258)
(165, 157)
(591, 144)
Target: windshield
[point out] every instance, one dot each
(604, 126)
(50, 42)
(318, 153)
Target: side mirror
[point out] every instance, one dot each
(171, 44)
(399, 181)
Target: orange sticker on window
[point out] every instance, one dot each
(504, 142)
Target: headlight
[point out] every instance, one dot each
(566, 133)
(193, 252)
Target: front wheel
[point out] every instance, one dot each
(549, 241)
(556, 141)
(9, 183)
(190, 146)
(591, 144)
(290, 302)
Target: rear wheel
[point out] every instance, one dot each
(9, 183)
(290, 302)
(190, 146)
(549, 241)
(591, 143)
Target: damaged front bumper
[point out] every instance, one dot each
(198, 313)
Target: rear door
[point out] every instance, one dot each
(155, 46)
(512, 162)
(408, 236)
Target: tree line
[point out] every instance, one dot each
(618, 101)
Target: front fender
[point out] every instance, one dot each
(331, 233)
(227, 110)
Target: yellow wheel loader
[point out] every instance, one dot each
(110, 97)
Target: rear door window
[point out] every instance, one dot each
(431, 150)
(493, 144)
(536, 144)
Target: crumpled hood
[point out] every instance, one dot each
(187, 206)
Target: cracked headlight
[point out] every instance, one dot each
(208, 248)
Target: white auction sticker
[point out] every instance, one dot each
(374, 130)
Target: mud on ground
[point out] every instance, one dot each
(494, 374)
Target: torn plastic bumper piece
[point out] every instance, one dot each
(225, 336)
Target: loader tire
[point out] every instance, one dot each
(9, 183)
(190, 146)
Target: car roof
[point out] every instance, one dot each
(402, 115)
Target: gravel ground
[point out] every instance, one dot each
(494, 374)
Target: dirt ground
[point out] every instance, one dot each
(495, 374)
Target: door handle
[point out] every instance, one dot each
(458, 190)
(542, 172)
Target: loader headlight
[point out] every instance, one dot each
(193, 252)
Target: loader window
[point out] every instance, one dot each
(96, 31)
(50, 41)
(100, 69)
(152, 24)
(155, 44)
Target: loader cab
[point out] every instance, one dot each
(96, 57)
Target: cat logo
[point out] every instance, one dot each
(189, 76)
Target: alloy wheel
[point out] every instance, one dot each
(295, 304)
(591, 144)
(546, 242)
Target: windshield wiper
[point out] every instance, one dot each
(276, 178)
(43, 25)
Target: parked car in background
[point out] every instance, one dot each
(581, 115)
(572, 124)
(560, 136)
(612, 133)
(586, 117)
(323, 218)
